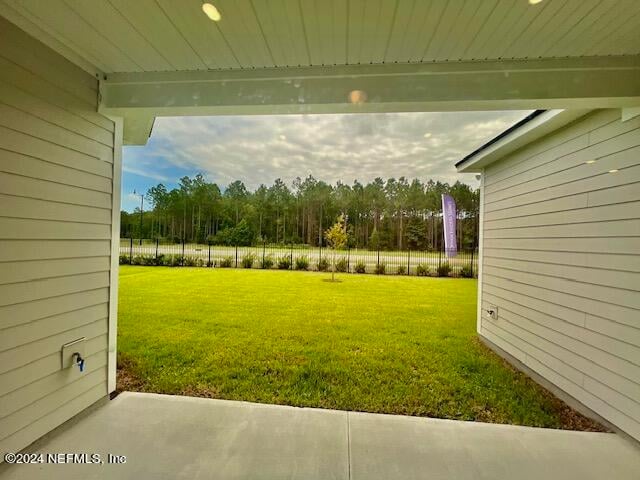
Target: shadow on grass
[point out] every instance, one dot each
(570, 418)
(129, 380)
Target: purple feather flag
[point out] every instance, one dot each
(449, 222)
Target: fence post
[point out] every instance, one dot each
(157, 244)
(131, 250)
(378, 256)
(291, 257)
(264, 246)
(408, 261)
(182, 259)
(472, 252)
(439, 257)
(236, 256)
(209, 261)
(348, 259)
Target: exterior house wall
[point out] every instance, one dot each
(56, 183)
(561, 262)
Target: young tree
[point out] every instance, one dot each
(336, 238)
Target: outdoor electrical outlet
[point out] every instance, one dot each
(492, 312)
(68, 351)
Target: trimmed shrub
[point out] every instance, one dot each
(176, 261)
(342, 265)
(302, 263)
(210, 263)
(268, 262)
(323, 265)
(466, 271)
(380, 268)
(360, 267)
(226, 262)
(137, 260)
(444, 269)
(191, 262)
(422, 270)
(284, 262)
(401, 270)
(124, 259)
(248, 260)
(159, 260)
(148, 260)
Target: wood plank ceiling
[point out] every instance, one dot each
(173, 35)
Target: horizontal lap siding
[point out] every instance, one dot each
(561, 261)
(56, 170)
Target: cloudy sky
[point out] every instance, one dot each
(259, 149)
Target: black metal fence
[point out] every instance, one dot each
(299, 257)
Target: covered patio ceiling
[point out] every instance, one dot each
(169, 35)
(166, 57)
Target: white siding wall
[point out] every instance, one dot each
(562, 262)
(56, 169)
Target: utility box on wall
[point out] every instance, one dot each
(71, 350)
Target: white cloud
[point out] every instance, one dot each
(144, 173)
(255, 150)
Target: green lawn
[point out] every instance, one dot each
(402, 345)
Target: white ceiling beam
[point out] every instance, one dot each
(598, 81)
(585, 83)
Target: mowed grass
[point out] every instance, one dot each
(400, 345)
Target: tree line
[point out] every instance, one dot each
(386, 214)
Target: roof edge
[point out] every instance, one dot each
(534, 126)
(501, 135)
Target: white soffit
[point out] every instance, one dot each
(630, 113)
(169, 35)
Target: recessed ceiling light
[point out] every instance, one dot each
(534, 2)
(589, 162)
(427, 135)
(211, 12)
(613, 170)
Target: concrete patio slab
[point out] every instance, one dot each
(173, 437)
(390, 446)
